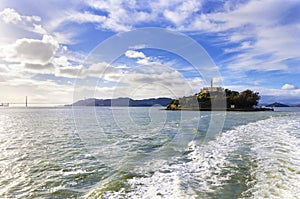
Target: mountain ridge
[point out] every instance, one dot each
(123, 101)
(277, 104)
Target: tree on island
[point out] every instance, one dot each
(203, 100)
(245, 99)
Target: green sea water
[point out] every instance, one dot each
(121, 152)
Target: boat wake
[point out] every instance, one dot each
(259, 159)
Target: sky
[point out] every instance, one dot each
(61, 51)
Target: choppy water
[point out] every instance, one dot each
(148, 153)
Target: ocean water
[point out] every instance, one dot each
(121, 152)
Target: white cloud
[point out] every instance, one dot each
(139, 85)
(100, 70)
(145, 61)
(39, 29)
(85, 17)
(279, 42)
(125, 15)
(265, 33)
(118, 18)
(64, 37)
(48, 68)
(33, 56)
(252, 13)
(271, 95)
(122, 66)
(68, 71)
(136, 47)
(217, 80)
(3, 68)
(149, 61)
(134, 54)
(253, 26)
(33, 51)
(196, 83)
(141, 82)
(169, 77)
(288, 87)
(9, 15)
(173, 17)
(181, 12)
(17, 21)
(61, 61)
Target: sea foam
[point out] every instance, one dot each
(271, 145)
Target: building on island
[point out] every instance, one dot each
(212, 88)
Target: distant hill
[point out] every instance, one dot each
(295, 105)
(277, 104)
(123, 102)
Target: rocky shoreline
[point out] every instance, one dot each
(222, 109)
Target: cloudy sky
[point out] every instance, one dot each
(58, 51)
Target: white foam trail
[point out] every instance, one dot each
(182, 179)
(274, 146)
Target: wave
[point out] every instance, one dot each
(258, 159)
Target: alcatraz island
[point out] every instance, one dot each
(219, 99)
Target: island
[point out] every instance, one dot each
(219, 99)
(123, 101)
(277, 104)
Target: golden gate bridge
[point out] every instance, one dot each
(25, 103)
(6, 104)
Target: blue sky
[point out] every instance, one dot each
(51, 50)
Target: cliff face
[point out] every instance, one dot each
(123, 102)
(174, 105)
